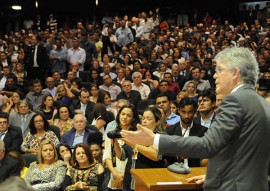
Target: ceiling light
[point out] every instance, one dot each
(16, 7)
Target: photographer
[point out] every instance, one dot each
(117, 153)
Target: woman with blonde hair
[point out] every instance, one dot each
(48, 173)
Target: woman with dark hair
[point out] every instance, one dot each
(47, 108)
(128, 72)
(85, 174)
(137, 67)
(95, 143)
(117, 162)
(48, 172)
(63, 119)
(75, 86)
(39, 131)
(127, 62)
(64, 153)
(149, 78)
(104, 97)
(95, 77)
(174, 107)
(94, 92)
(100, 117)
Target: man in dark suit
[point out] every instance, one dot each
(83, 105)
(127, 93)
(187, 127)
(237, 143)
(12, 136)
(36, 60)
(78, 134)
(8, 166)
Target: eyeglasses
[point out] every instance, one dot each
(3, 122)
(37, 121)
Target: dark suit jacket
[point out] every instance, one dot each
(76, 104)
(13, 139)
(196, 130)
(154, 93)
(9, 167)
(42, 57)
(237, 143)
(134, 97)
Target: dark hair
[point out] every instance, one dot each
(163, 95)
(95, 138)
(71, 115)
(4, 115)
(156, 112)
(77, 81)
(32, 127)
(168, 73)
(12, 77)
(43, 106)
(101, 96)
(208, 93)
(163, 81)
(20, 93)
(136, 118)
(187, 101)
(87, 151)
(58, 150)
(83, 90)
(99, 110)
(36, 81)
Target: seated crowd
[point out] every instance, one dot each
(66, 93)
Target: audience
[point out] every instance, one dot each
(175, 60)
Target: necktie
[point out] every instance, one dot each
(1, 135)
(23, 125)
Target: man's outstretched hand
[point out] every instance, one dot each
(142, 136)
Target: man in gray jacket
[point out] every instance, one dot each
(237, 143)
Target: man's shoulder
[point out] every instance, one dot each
(171, 129)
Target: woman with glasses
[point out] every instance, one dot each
(39, 131)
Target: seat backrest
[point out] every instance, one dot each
(56, 131)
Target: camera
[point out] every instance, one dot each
(114, 134)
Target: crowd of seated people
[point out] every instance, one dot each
(58, 106)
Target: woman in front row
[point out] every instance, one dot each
(85, 174)
(48, 173)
